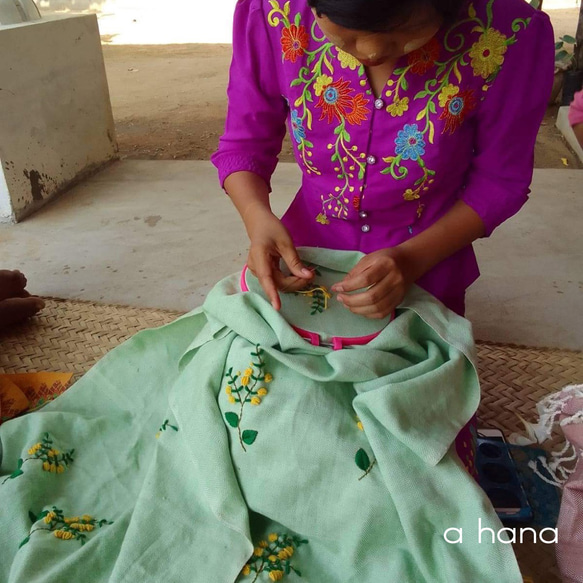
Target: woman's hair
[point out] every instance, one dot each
(380, 15)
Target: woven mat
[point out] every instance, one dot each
(71, 336)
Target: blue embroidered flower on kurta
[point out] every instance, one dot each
(410, 143)
(297, 124)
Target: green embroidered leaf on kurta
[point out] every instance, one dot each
(232, 419)
(362, 460)
(249, 436)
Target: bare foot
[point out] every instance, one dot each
(16, 304)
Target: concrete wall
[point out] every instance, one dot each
(56, 124)
(155, 21)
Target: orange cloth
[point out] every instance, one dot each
(28, 391)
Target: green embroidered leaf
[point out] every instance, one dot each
(249, 436)
(287, 569)
(362, 460)
(32, 516)
(20, 462)
(16, 473)
(42, 514)
(24, 542)
(298, 19)
(421, 94)
(232, 419)
(432, 107)
(337, 130)
(296, 82)
(308, 144)
(405, 84)
(309, 96)
(297, 572)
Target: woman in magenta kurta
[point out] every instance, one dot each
(456, 121)
(414, 124)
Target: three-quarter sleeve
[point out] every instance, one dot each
(257, 111)
(497, 184)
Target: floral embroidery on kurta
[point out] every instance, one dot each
(273, 556)
(446, 98)
(336, 101)
(53, 460)
(65, 528)
(245, 388)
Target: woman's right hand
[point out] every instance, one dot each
(270, 241)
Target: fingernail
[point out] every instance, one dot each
(337, 288)
(40, 304)
(306, 271)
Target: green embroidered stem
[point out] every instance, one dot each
(368, 470)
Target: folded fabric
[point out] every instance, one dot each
(225, 447)
(27, 391)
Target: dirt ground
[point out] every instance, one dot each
(169, 102)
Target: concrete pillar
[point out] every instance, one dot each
(56, 124)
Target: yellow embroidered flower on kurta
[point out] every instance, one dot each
(263, 544)
(272, 537)
(321, 83)
(255, 401)
(53, 452)
(232, 399)
(276, 575)
(268, 378)
(410, 194)
(347, 61)
(487, 54)
(262, 392)
(321, 218)
(272, 558)
(257, 551)
(399, 107)
(63, 534)
(447, 92)
(246, 570)
(46, 466)
(245, 380)
(248, 372)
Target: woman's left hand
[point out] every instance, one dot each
(387, 274)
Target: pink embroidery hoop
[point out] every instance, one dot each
(337, 342)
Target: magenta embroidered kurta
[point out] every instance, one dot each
(457, 119)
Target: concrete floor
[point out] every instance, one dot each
(162, 233)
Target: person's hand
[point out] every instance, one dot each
(386, 273)
(270, 241)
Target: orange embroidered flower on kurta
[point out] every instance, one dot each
(294, 41)
(359, 112)
(456, 109)
(335, 100)
(424, 58)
